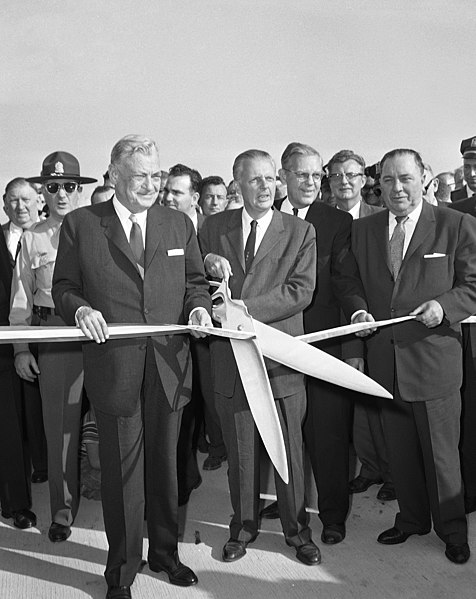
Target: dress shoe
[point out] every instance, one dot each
(58, 532)
(387, 492)
(270, 512)
(470, 504)
(21, 518)
(361, 484)
(309, 554)
(395, 536)
(119, 593)
(234, 550)
(178, 574)
(213, 462)
(333, 534)
(39, 476)
(457, 553)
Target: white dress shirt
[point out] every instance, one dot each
(261, 227)
(409, 225)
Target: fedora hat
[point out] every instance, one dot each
(60, 165)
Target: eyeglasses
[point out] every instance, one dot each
(69, 187)
(301, 176)
(340, 176)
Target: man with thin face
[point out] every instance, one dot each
(31, 296)
(269, 261)
(328, 423)
(420, 260)
(131, 260)
(212, 195)
(181, 192)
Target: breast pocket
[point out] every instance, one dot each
(43, 266)
(437, 271)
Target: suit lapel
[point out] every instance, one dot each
(271, 237)
(424, 226)
(154, 233)
(234, 235)
(115, 233)
(380, 234)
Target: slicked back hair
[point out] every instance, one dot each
(296, 148)
(14, 183)
(132, 144)
(211, 180)
(404, 152)
(343, 156)
(250, 155)
(179, 170)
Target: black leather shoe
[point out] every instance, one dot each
(387, 492)
(39, 476)
(270, 512)
(178, 574)
(119, 593)
(333, 534)
(395, 536)
(470, 504)
(309, 554)
(58, 533)
(213, 462)
(23, 519)
(361, 484)
(234, 550)
(458, 554)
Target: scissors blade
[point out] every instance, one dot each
(312, 361)
(254, 377)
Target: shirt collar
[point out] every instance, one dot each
(262, 222)
(413, 216)
(124, 213)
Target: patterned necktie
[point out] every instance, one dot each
(396, 245)
(250, 246)
(136, 242)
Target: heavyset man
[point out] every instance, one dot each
(131, 260)
(418, 259)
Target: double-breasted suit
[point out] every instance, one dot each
(277, 288)
(421, 366)
(136, 386)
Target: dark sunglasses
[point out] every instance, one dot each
(68, 187)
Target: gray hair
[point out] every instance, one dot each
(132, 144)
(250, 155)
(296, 148)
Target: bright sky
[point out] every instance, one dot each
(208, 79)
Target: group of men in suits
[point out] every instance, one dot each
(131, 260)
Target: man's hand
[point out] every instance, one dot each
(357, 363)
(201, 318)
(364, 317)
(92, 323)
(26, 366)
(217, 266)
(429, 313)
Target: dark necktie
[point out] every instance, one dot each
(295, 211)
(136, 241)
(396, 245)
(250, 246)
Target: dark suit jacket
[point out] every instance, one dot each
(338, 284)
(95, 267)
(468, 205)
(276, 290)
(459, 194)
(427, 361)
(6, 351)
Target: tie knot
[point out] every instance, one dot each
(253, 225)
(401, 219)
(133, 218)
(295, 211)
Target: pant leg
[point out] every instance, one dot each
(162, 427)
(438, 423)
(121, 454)
(468, 416)
(326, 434)
(406, 464)
(291, 496)
(35, 430)
(61, 386)
(242, 447)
